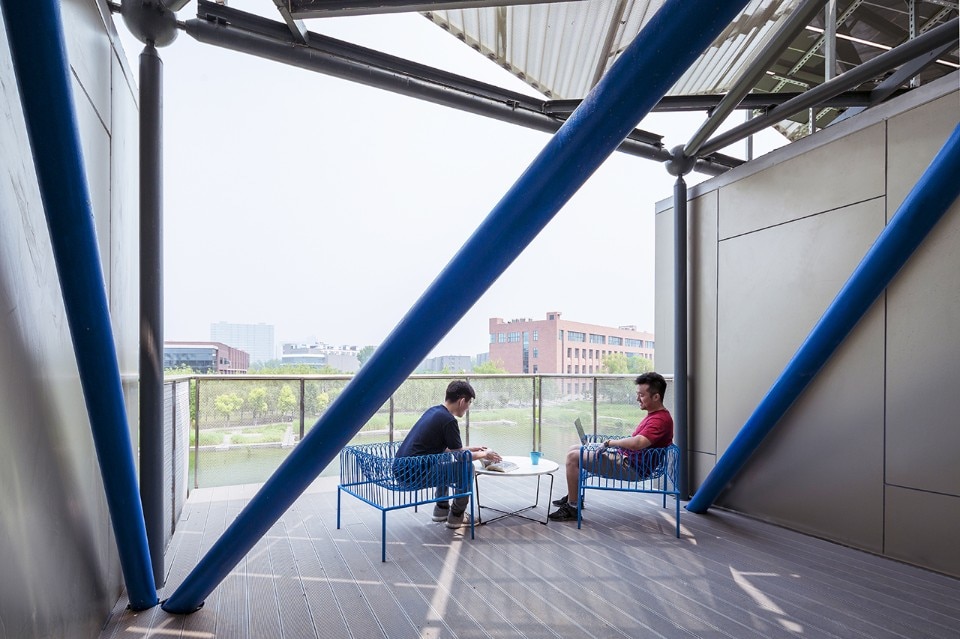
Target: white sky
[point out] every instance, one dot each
(326, 208)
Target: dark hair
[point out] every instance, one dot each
(459, 389)
(655, 382)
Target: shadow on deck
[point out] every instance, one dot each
(624, 574)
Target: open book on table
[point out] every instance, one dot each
(502, 466)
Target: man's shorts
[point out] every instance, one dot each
(610, 463)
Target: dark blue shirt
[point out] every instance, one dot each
(436, 431)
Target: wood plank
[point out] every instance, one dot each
(624, 574)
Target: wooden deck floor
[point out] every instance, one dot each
(624, 574)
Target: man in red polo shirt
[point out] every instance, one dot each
(655, 431)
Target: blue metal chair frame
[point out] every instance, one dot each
(659, 470)
(373, 474)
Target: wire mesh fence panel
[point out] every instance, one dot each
(318, 395)
(617, 411)
(414, 396)
(247, 427)
(502, 416)
(564, 400)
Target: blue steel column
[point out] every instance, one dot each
(40, 61)
(671, 41)
(933, 195)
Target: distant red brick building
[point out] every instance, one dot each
(206, 357)
(554, 345)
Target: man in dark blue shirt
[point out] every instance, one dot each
(437, 431)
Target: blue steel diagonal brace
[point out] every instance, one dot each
(37, 47)
(665, 48)
(932, 196)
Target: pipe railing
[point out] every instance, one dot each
(525, 407)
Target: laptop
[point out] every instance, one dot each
(583, 435)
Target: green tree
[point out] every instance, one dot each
(286, 401)
(257, 401)
(276, 368)
(365, 354)
(490, 367)
(323, 401)
(637, 365)
(615, 363)
(182, 369)
(227, 403)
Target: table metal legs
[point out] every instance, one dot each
(513, 513)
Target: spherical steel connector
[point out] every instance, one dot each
(679, 165)
(150, 21)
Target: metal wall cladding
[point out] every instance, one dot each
(564, 49)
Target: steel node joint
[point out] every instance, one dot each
(679, 164)
(150, 21)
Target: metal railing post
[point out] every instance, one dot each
(196, 433)
(596, 425)
(173, 456)
(303, 403)
(390, 420)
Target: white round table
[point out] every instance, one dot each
(524, 469)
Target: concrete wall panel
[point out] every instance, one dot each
(921, 528)
(820, 470)
(806, 184)
(124, 264)
(866, 456)
(95, 143)
(916, 137)
(663, 284)
(61, 573)
(89, 53)
(923, 316)
(922, 355)
(702, 311)
(769, 300)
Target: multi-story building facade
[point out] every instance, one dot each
(555, 345)
(342, 358)
(206, 357)
(256, 339)
(449, 363)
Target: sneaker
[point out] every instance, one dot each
(565, 512)
(564, 500)
(440, 513)
(456, 521)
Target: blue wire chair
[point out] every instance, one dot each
(652, 470)
(372, 473)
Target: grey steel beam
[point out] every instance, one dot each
(681, 334)
(933, 39)
(612, 27)
(830, 40)
(876, 21)
(337, 8)
(792, 27)
(151, 304)
(813, 48)
(892, 84)
(709, 102)
(262, 38)
(297, 28)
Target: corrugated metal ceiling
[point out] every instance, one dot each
(563, 49)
